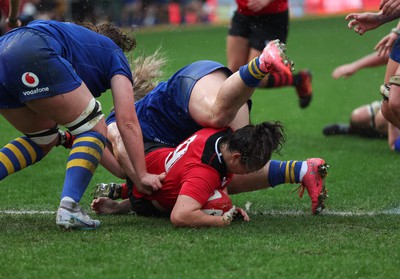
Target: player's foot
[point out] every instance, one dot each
(274, 59)
(304, 88)
(71, 216)
(314, 182)
(110, 190)
(336, 129)
(104, 205)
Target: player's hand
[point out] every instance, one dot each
(241, 214)
(363, 22)
(258, 5)
(150, 183)
(228, 216)
(344, 71)
(389, 7)
(384, 46)
(13, 23)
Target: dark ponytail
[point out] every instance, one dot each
(256, 143)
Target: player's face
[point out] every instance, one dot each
(237, 166)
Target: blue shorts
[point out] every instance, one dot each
(164, 112)
(395, 52)
(31, 68)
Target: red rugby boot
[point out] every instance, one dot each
(304, 88)
(314, 182)
(274, 59)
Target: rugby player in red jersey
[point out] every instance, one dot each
(254, 24)
(196, 168)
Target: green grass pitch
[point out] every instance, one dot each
(354, 238)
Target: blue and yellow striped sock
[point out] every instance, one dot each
(281, 172)
(251, 73)
(17, 155)
(83, 160)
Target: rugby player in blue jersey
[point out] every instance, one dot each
(207, 94)
(50, 74)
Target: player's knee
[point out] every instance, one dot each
(88, 119)
(359, 117)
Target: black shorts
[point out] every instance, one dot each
(143, 207)
(260, 29)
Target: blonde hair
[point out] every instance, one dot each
(147, 73)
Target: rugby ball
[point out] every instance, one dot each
(217, 204)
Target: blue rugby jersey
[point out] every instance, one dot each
(49, 57)
(164, 112)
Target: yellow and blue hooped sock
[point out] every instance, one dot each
(281, 172)
(19, 154)
(83, 160)
(251, 73)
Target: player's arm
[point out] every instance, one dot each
(131, 134)
(363, 22)
(118, 148)
(370, 60)
(384, 46)
(12, 20)
(187, 213)
(110, 163)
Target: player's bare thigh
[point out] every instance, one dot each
(361, 117)
(391, 68)
(44, 113)
(203, 96)
(202, 100)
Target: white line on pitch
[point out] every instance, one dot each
(31, 212)
(395, 211)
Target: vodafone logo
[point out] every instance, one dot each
(30, 79)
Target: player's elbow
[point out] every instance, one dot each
(179, 219)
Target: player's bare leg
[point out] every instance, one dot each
(390, 105)
(216, 98)
(240, 86)
(203, 98)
